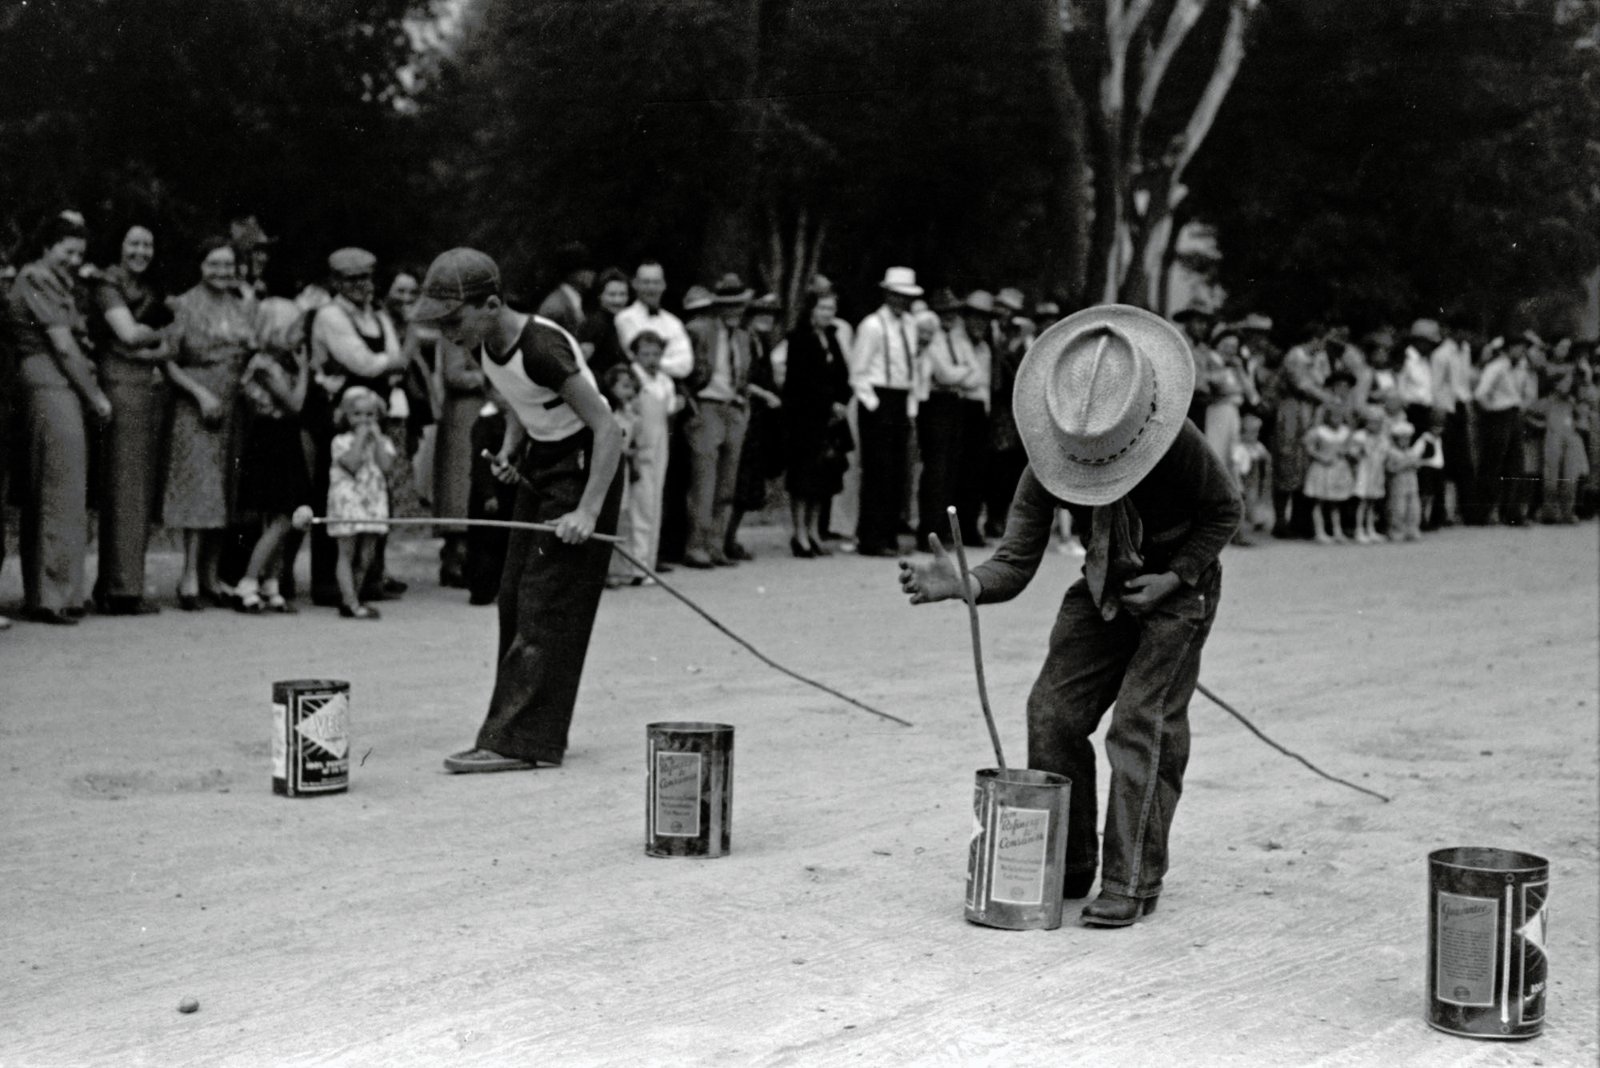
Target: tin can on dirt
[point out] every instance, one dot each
(1487, 971)
(310, 737)
(1018, 847)
(689, 799)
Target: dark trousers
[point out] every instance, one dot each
(675, 497)
(972, 470)
(885, 450)
(55, 514)
(1005, 467)
(130, 460)
(549, 592)
(939, 438)
(1499, 463)
(1148, 668)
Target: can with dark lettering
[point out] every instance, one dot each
(310, 737)
(1487, 970)
(1018, 847)
(689, 796)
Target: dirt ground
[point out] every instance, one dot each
(427, 919)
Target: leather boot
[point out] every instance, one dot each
(1116, 910)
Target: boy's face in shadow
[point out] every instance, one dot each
(649, 356)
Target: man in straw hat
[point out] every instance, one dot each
(883, 373)
(561, 436)
(718, 418)
(1101, 402)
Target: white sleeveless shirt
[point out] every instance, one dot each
(531, 375)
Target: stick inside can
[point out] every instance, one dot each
(977, 639)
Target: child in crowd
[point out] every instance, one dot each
(620, 387)
(658, 401)
(1330, 479)
(274, 476)
(1401, 459)
(1564, 463)
(487, 498)
(1370, 445)
(1252, 464)
(358, 493)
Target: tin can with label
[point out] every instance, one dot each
(1487, 970)
(689, 796)
(1018, 847)
(310, 737)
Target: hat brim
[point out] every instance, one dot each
(1093, 484)
(904, 291)
(429, 309)
(742, 297)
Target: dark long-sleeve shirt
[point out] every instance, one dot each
(1187, 505)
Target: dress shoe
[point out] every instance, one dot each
(698, 561)
(1116, 910)
(49, 616)
(735, 551)
(801, 549)
(721, 560)
(819, 549)
(130, 606)
(394, 587)
(663, 569)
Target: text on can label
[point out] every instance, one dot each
(1017, 877)
(677, 794)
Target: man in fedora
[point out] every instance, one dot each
(883, 373)
(718, 417)
(1101, 402)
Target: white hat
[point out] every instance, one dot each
(902, 280)
(1100, 398)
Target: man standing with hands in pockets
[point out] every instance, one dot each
(571, 448)
(1100, 404)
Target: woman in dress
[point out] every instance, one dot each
(48, 343)
(597, 335)
(213, 337)
(131, 350)
(816, 388)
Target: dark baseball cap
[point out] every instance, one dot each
(455, 278)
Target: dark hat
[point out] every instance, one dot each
(454, 278)
(573, 256)
(944, 300)
(1194, 311)
(730, 289)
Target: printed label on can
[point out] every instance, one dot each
(677, 797)
(975, 850)
(1019, 848)
(280, 741)
(322, 742)
(1464, 968)
(1535, 965)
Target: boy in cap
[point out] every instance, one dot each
(561, 436)
(1101, 401)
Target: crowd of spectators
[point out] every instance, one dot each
(218, 411)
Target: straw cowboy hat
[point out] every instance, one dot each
(1100, 398)
(901, 280)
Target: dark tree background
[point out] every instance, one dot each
(1373, 158)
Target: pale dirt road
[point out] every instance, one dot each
(425, 919)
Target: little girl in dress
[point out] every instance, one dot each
(1370, 446)
(1330, 479)
(358, 494)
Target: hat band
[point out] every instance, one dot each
(1098, 461)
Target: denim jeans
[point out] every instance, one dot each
(1148, 668)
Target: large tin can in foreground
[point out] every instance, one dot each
(310, 737)
(689, 799)
(1487, 971)
(1018, 847)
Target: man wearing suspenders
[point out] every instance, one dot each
(570, 448)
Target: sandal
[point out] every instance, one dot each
(360, 611)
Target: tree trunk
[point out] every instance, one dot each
(1067, 201)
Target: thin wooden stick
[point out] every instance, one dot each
(409, 521)
(977, 640)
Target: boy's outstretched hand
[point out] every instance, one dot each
(936, 580)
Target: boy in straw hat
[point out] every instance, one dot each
(1101, 401)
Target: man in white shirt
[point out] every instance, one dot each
(564, 304)
(649, 286)
(883, 375)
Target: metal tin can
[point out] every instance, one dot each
(689, 799)
(310, 737)
(1487, 970)
(1018, 847)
